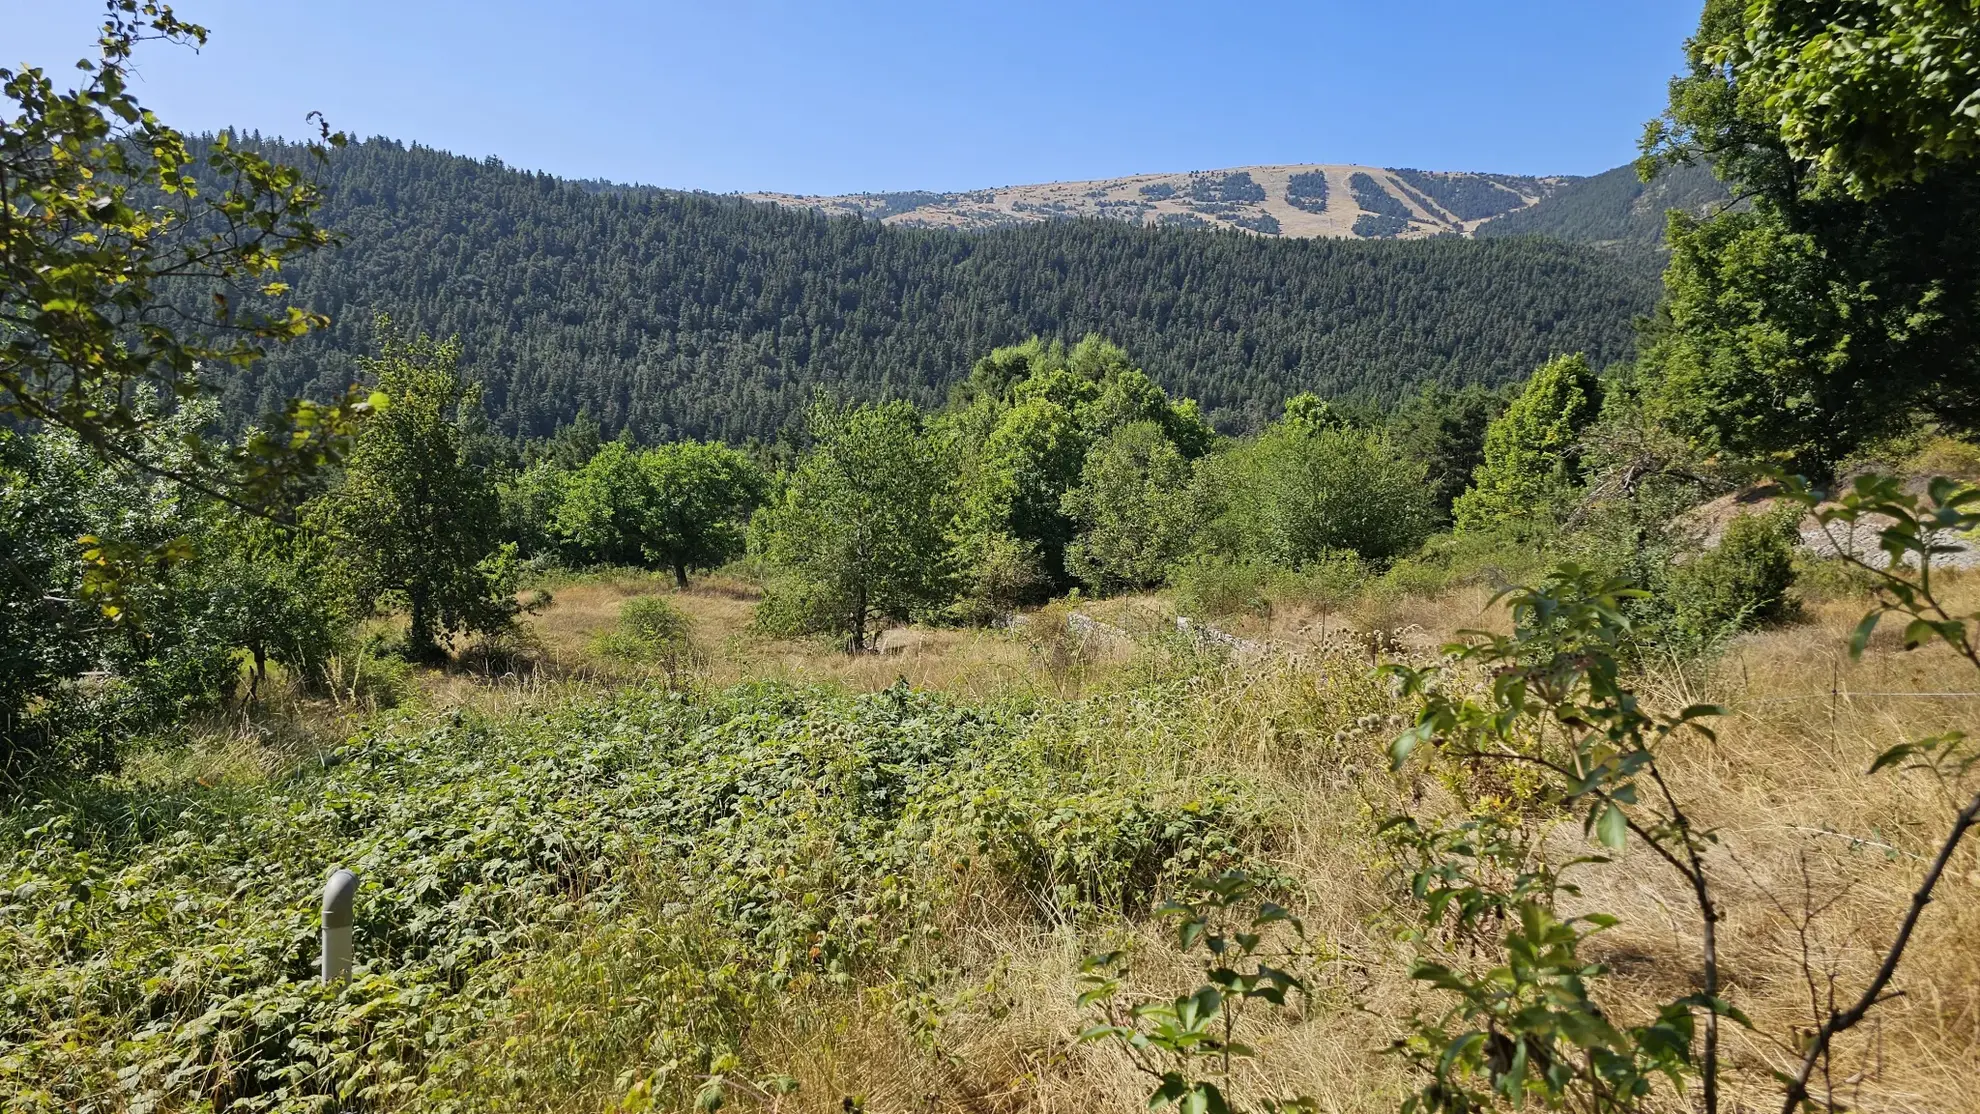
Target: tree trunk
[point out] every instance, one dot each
(859, 620)
(680, 576)
(420, 645)
(259, 675)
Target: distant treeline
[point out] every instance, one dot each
(677, 314)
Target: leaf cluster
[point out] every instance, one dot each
(107, 216)
(1186, 1045)
(1556, 708)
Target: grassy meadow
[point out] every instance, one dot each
(782, 877)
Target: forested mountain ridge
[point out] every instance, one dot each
(1616, 207)
(1296, 200)
(678, 314)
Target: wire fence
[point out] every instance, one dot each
(1845, 694)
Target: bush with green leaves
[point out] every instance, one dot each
(1301, 491)
(652, 631)
(1212, 587)
(1522, 1017)
(1741, 583)
(999, 574)
(41, 643)
(129, 600)
(1133, 508)
(1250, 949)
(1215, 588)
(1531, 465)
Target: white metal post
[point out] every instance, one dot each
(339, 898)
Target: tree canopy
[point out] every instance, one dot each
(1025, 426)
(860, 534)
(134, 264)
(1133, 509)
(1531, 457)
(1845, 297)
(686, 315)
(1881, 93)
(702, 496)
(1300, 492)
(417, 519)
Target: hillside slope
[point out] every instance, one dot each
(1615, 207)
(1298, 200)
(683, 314)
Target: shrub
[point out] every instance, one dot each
(1000, 573)
(1532, 459)
(1829, 578)
(1211, 588)
(368, 678)
(793, 606)
(1447, 561)
(1945, 456)
(1134, 510)
(653, 632)
(1299, 492)
(1741, 583)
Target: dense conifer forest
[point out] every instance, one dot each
(681, 314)
(1616, 207)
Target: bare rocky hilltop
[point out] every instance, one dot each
(1301, 200)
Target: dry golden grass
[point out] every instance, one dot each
(968, 662)
(1816, 864)
(1818, 859)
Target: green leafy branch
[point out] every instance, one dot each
(1911, 532)
(1187, 1045)
(1556, 706)
(107, 217)
(1530, 1026)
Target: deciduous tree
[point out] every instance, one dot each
(105, 213)
(861, 532)
(602, 514)
(1134, 509)
(1531, 461)
(417, 520)
(1297, 493)
(1843, 297)
(700, 496)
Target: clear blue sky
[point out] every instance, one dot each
(834, 97)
